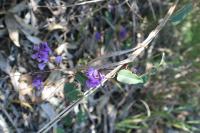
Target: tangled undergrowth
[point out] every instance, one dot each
(53, 52)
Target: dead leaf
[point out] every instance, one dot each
(23, 103)
(53, 85)
(33, 5)
(2, 32)
(28, 30)
(26, 27)
(14, 24)
(4, 63)
(25, 85)
(19, 7)
(14, 77)
(4, 128)
(34, 20)
(63, 48)
(12, 27)
(5, 67)
(49, 110)
(33, 39)
(55, 26)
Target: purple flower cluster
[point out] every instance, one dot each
(42, 52)
(122, 32)
(37, 82)
(94, 77)
(41, 55)
(98, 36)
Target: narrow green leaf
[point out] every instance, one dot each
(108, 16)
(133, 122)
(181, 14)
(181, 125)
(162, 62)
(127, 77)
(194, 122)
(71, 92)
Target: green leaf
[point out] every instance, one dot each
(81, 78)
(81, 116)
(127, 77)
(60, 130)
(181, 14)
(71, 92)
(108, 16)
(68, 120)
(145, 78)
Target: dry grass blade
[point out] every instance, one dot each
(77, 4)
(114, 54)
(151, 36)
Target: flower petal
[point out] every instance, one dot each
(94, 77)
(122, 33)
(91, 84)
(98, 36)
(58, 59)
(34, 56)
(37, 82)
(36, 47)
(41, 66)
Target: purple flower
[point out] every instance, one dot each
(44, 47)
(41, 66)
(37, 82)
(110, 7)
(42, 54)
(98, 36)
(58, 59)
(94, 77)
(122, 32)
